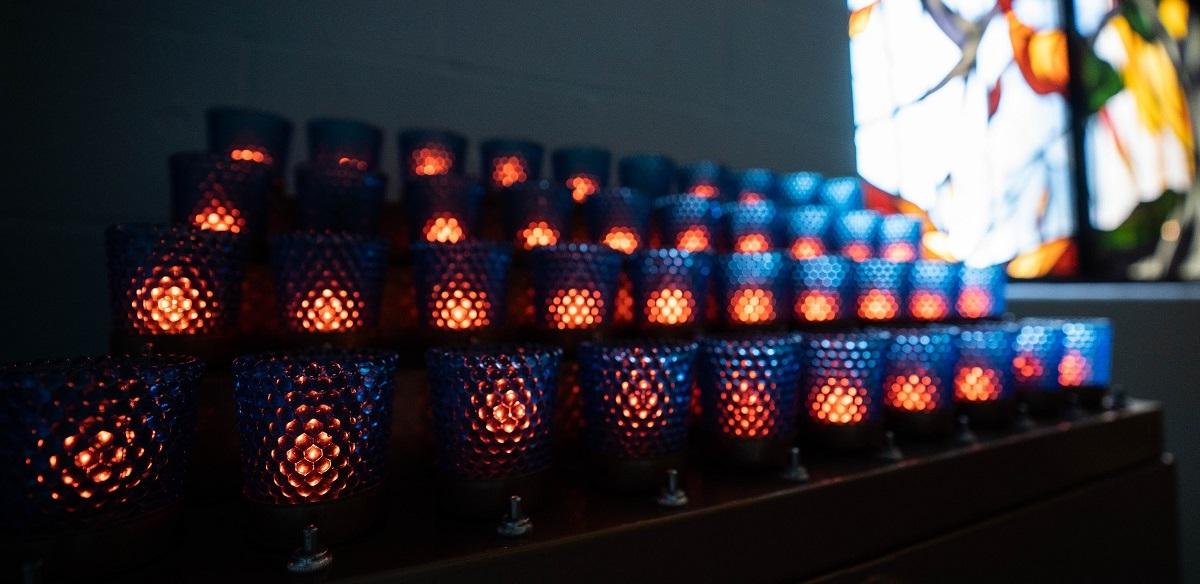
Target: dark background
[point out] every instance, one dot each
(96, 98)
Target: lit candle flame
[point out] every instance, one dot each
(752, 243)
(582, 186)
(432, 160)
(974, 303)
(1074, 369)
(174, 302)
(538, 234)
(839, 401)
(250, 155)
(329, 309)
(621, 239)
(669, 306)
(705, 191)
(912, 392)
(459, 307)
(857, 251)
(877, 305)
(977, 384)
(508, 170)
(899, 252)
(752, 306)
(693, 239)
(817, 306)
(216, 214)
(575, 308)
(804, 248)
(926, 305)
(444, 228)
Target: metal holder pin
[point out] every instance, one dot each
(1023, 422)
(963, 434)
(1073, 410)
(515, 523)
(794, 472)
(312, 560)
(890, 451)
(672, 495)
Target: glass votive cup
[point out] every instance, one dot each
(650, 174)
(328, 282)
(537, 214)
(842, 387)
(461, 287)
(751, 289)
(637, 402)
(841, 193)
(493, 408)
(981, 292)
(799, 188)
(574, 287)
(581, 170)
(688, 222)
(508, 163)
(823, 290)
(213, 193)
(249, 136)
(752, 185)
(1037, 356)
(983, 380)
(752, 226)
(1086, 366)
(429, 152)
(442, 208)
(855, 234)
(918, 381)
(933, 290)
(351, 143)
(807, 229)
(881, 290)
(339, 197)
(899, 238)
(669, 289)
(314, 429)
(748, 391)
(618, 218)
(704, 178)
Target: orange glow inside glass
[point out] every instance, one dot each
(623, 304)
(538, 234)
(926, 305)
(705, 191)
(901, 251)
(507, 410)
(575, 308)
(214, 213)
(817, 306)
(458, 306)
(977, 384)
(1028, 368)
(171, 303)
(431, 160)
(329, 309)
(804, 248)
(444, 228)
(669, 306)
(101, 458)
(752, 306)
(878, 304)
(621, 239)
(693, 239)
(1073, 370)
(750, 197)
(352, 162)
(508, 170)
(974, 303)
(250, 155)
(857, 251)
(914, 392)
(839, 401)
(748, 407)
(582, 186)
(639, 403)
(313, 460)
(752, 243)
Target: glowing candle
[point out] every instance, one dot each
(749, 286)
(346, 143)
(575, 286)
(807, 228)
(441, 209)
(669, 286)
(1038, 353)
(444, 228)
(933, 288)
(618, 218)
(752, 243)
(508, 163)
(981, 293)
(804, 248)
(582, 186)
(429, 153)
(693, 239)
(702, 179)
(328, 282)
(536, 214)
(538, 234)
(582, 170)
(882, 289)
(984, 369)
(621, 239)
(899, 238)
(1087, 353)
(249, 136)
(842, 386)
(824, 289)
(687, 221)
(754, 185)
(214, 193)
(855, 233)
(752, 226)
(919, 379)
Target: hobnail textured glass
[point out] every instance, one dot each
(933, 289)
(881, 290)
(919, 376)
(493, 408)
(249, 136)
(899, 238)
(669, 287)
(748, 385)
(637, 397)
(841, 193)
(807, 228)
(1038, 352)
(843, 378)
(425, 152)
(855, 234)
(91, 441)
(823, 290)
(328, 282)
(581, 170)
(753, 184)
(509, 163)
(574, 286)
(985, 363)
(981, 292)
(1087, 353)
(339, 198)
(536, 214)
(349, 143)
(650, 174)
(751, 288)
(687, 222)
(799, 188)
(173, 280)
(213, 193)
(752, 226)
(442, 208)
(314, 426)
(704, 178)
(618, 218)
(462, 287)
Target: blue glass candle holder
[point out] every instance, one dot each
(652, 175)
(704, 178)
(983, 380)
(1086, 365)
(669, 288)
(509, 163)
(349, 143)
(314, 429)
(1038, 353)
(753, 184)
(748, 389)
(442, 209)
(981, 293)
(339, 197)
(752, 226)
(581, 170)
(688, 222)
(823, 290)
(918, 381)
(933, 289)
(637, 401)
(855, 234)
(493, 408)
(537, 214)
(881, 289)
(807, 228)
(751, 289)
(799, 188)
(328, 282)
(843, 387)
(899, 238)
(574, 286)
(425, 152)
(842, 193)
(249, 136)
(211, 192)
(619, 219)
(461, 287)
(173, 280)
